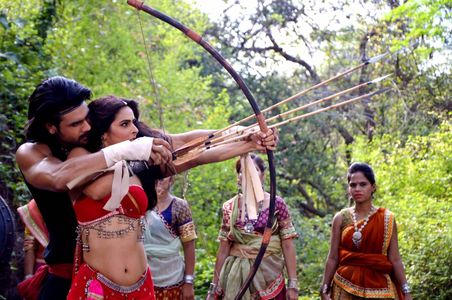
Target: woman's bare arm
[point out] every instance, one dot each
(396, 260)
(189, 258)
(222, 254)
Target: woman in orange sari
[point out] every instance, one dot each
(364, 260)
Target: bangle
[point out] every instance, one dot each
(292, 283)
(405, 288)
(212, 288)
(324, 289)
(189, 279)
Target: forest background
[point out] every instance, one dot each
(280, 48)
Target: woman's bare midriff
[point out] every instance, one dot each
(121, 259)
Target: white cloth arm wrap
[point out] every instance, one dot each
(139, 149)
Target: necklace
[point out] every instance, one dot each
(249, 224)
(357, 235)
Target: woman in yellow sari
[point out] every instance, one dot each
(364, 260)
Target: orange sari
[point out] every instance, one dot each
(365, 272)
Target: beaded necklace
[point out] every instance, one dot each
(357, 235)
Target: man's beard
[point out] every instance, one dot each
(83, 140)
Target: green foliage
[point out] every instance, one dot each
(414, 181)
(23, 61)
(427, 18)
(312, 249)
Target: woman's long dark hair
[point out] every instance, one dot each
(148, 177)
(102, 113)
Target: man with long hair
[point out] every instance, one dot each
(57, 122)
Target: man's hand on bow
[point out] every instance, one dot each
(266, 140)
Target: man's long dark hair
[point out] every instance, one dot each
(51, 99)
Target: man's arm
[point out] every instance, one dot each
(181, 139)
(257, 142)
(44, 171)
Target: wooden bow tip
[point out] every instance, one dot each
(136, 3)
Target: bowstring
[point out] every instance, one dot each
(151, 75)
(155, 89)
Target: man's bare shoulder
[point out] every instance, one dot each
(28, 153)
(78, 151)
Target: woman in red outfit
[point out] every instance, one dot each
(364, 260)
(110, 258)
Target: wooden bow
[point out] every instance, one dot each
(258, 114)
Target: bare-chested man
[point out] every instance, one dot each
(57, 123)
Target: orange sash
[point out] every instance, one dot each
(366, 271)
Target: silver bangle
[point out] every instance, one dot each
(324, 288)
(292, 283)
(189, 279)
(405, 288)
(212, 288)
